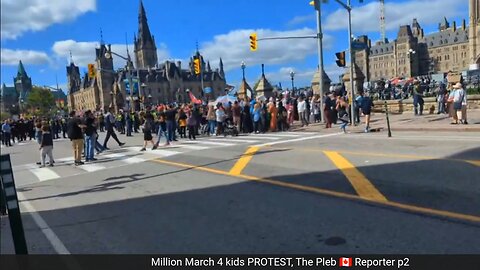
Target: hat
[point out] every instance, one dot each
(457, 86)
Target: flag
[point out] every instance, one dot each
(345, 262)
(193, 98)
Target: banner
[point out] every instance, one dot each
(127, 86)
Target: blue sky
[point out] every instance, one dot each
(42, 35)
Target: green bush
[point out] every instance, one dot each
(473, 91)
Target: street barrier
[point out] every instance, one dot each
(11, 201)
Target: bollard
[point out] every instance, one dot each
(388, 120)
(11, 199)
(3, 204)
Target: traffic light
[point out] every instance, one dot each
(91, 71)
(253, 42)
(341, 59)
(196, 65)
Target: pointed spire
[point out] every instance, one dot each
(126, 45)
(208, 66)
(71, 58)
(144, 34)
(21, 69)
(263, 70)
(101, 37)
(141, 9)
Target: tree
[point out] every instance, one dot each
(41, 101)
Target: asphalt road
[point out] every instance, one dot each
(417, 192)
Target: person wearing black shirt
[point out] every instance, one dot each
(147, 131)
(170, 120)
(46, 146)
(109, 124)
(327, 110)
(75, 134)
(90, 136)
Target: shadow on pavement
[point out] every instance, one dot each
(256, 218)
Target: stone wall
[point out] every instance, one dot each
(430, 106)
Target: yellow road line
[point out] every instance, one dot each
(406, 207)
(402, 156)
(474, 162)
(359, 182)
(244, 160)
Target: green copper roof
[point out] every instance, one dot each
(21, 69)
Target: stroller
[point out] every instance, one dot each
(229, 128)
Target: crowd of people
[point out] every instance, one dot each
(171, 122)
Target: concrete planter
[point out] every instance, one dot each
(430, 105)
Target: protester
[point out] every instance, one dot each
(46, 146)
(191, 123)
(147, 131)
(109, 124)
(7, 133)
(75, 134)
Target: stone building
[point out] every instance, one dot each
(453, 48)
(263, 87)
(15, 96)
(153, 83)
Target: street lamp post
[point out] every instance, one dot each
(111, 100)
(21, 105)
(142, 94)
(129, 72)
(411, 52)
(243, 70)
(292, 76)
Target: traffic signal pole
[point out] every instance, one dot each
(320, 56)
(352, 84)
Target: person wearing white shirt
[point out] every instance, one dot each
(302, 111)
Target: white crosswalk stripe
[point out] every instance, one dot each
(209, 143)
(264, 137)
(134, 160)
(91, 167)
(44, 174)
(233, 140)
(64, 166)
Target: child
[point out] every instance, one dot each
(46, 146)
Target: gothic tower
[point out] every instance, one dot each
(145, 48)
(104, 77)
(22, 83)
(474, 31)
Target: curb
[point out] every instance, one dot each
(381, 129)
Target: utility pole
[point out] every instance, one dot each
(200, 58)
(320, 54)
(352, 69)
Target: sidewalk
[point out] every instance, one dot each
(407, 122)
(6, 241)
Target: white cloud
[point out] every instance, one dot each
(301, 19)
(84, 52)
(365, 18)
(234, 47)
(20, 16)
(11, 57)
